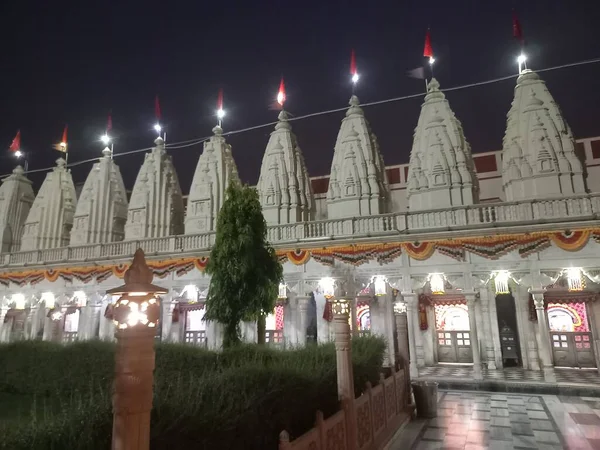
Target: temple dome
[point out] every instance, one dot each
(284, 186)
(538, 150)
(214, 171)
(156, 204)
(102, 206)
(441, 172)
(358, 183)
(50, 219)
(16, 198)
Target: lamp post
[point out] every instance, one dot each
(136, 316)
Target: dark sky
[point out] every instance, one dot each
(73, 61)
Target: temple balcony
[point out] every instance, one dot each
(505, 217)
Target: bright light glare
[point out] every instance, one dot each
(431, 60)
(280, 98)
(18, 153)
(105, 139)
(522, 58)
(63, 144)
(355, 78)
(220, 113)
(158, 128)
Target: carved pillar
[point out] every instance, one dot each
(345, 374)
(412, 322)
(488, 338)
(477, 373)
(303, 304)
(402, 330)
(167, 319)
(544, 336)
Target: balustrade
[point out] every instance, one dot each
(481, 215)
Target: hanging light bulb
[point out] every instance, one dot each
(437, 283)
(501, 282)
(575, 279)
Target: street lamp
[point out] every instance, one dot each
(136, 315)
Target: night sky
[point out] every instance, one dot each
(73, 61)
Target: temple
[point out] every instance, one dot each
(215, 170)
(487, 260)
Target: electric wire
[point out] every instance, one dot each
(197, 141)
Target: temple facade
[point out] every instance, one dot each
(490, 260)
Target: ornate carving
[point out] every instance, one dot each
(378, 410)
(358, 183)
(363, 424)
(538, 148)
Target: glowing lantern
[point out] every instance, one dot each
(327, 286)
(48, 299)
(19, 300)
(282, 291)
(399, 307)
(190, 292)
(80, 298)
(137, 305)
(437, 283)
(501, 282)
(380, 285)
(575, 279)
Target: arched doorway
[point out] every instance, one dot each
(453, 333)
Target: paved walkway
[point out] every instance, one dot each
(477, 420)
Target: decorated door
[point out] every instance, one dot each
(195, 326)
(453, 333)
(570, 335)
(274, 327)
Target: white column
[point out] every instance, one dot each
(167, 318)
(412, 319)
(3, 326)
(402, 334)
(488, 338)
(477, 373)
(322, 325)
(544, 335)
(303, 303)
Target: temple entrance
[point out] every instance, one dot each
(363, 318)
(195, 325)
(274, 327)
(570, 335)
(453, 333)
(507, 325)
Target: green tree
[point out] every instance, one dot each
(244, 269)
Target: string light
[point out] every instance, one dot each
(198, 141)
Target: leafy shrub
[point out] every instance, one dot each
(240, 398)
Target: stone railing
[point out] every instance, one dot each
(481, 216)
(379, 412)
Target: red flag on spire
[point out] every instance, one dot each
(109, 123)
(64, 136)
(517, 30)
(353, 70)
(281, 94)
(156, 109)
(62, 145)
(427, 50)
(220, 100)
(15, 145)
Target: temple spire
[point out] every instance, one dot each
(538, 151)
(16, 198)
(358, 183)
(214, 171)
(102, 207)
(156, 205)
(50, 219)
(441, 171)
(284, 187)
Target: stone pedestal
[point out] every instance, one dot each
(132, 394)
(543, 336)
(345, 373)
(477, 373)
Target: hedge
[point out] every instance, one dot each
(239, 398)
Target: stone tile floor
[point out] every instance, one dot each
(512, 374)
(479, 420)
